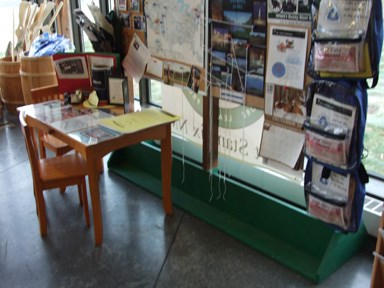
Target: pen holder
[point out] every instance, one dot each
(100, 75)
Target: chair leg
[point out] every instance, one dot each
(62, 189)
(34, 195)
(79, 191)
(83, 189)
(41, 211)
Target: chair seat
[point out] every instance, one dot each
(64, 167)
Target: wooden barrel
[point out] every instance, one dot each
(10, 84)
(36, 72)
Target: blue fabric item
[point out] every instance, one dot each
(48, 45)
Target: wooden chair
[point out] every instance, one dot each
(41, 94)
(47, 93)
(55, 172)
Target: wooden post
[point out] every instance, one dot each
(63, 20)
(210, 132)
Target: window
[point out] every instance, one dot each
(155, 95)
(374, 161)
(8, 24)
(374, 130)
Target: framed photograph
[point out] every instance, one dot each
(139, 23)
(122, 5)
(125, 20)
(116, 90)
(135, 5)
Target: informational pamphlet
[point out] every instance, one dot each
(328, 135)
(286, 56)
(328, 112)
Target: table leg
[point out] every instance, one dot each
(93, 179)
(166, 170)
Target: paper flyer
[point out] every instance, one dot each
(286, 56)
(133, 122)
(137, 58)
(281, 144)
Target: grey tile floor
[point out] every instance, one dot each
(142, 247)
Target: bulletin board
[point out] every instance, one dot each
(174, 32)
(250, 52)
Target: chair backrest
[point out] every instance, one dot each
(32, 148)
(45, 93)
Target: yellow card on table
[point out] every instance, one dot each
(136, 121)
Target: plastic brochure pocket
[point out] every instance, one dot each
(347, 39)
(333, 211)
(330, 196)
(342, 56)
(328, 144)
(334, 126)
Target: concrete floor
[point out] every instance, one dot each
(142, 247)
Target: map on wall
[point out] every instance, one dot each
(175, 30)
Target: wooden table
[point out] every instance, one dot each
(94, 153)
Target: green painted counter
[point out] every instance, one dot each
(274, 227)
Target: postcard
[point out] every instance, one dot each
(155, 67)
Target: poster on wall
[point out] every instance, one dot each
(237, 47)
